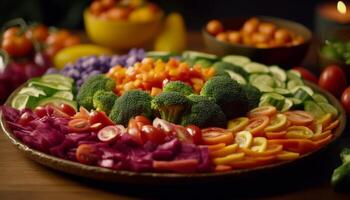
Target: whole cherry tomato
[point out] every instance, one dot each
(345, 100)
(15, 43)
(196, 133)
(134, 131)
(153, 134)
(87, 154)
(67, 109)
(100, 117)
(38, 33)
(306, 74)
(142, 120)
(333, 80)
(71, 41)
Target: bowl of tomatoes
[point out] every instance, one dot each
(265, 39)
(121, 25)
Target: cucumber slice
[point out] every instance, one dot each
(237, 77)
(64, 94)
(204, 63)
(56, 78)
(22, 101)
(328, 108)
(278, 73)
(49, 88)
(32, 91)
(195, 55)
(220, 65)
(302, 95)
(294, 83)
(282, 91)
(288, 104)
(264, 82)
(255, 67)
(57, 101)
(279, 83)
(303, 87)
(292, 75)
(313, 108)
(319, 98)
(236, 60)
(162, 55)
(273, 99)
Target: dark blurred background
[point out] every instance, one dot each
(68, 13)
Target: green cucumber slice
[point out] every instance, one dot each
(313, 108)
(303, 87)
(204, 63)
(255, 67)
(288, 104)
(292, 74)
(294, 83)
(236, 60)
(162, 55)
(32, 91)
(22, 101)
(328, 108)
(49, 88)
(237, 77)
(282, 91)
(195, 55)
(57, 101)
(319, 98)
(278, 73)
(64, 94)
(273, 99)
(263, 82)
(302, 95)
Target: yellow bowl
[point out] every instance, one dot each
(121, 35)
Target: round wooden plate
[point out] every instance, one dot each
(104, 174)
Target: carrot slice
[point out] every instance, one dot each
(222, 168)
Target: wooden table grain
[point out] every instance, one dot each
(21, 178)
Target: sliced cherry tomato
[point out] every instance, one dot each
(237, 124)
(153, 134)
(263, 160)
(299, 132)
(287, 155)
(135, 132)
(227, 160)
(40, 111)
(316, 128)
(87, 154)
(333, 80)
(276, 135)
(58, 112)
(78, 125)
(25, 118)
(195, 132)
(69, 110)
(230, 149)
(211, 136)
(325, 120)
(277, 123)
(323, 141)
(222, 168)
(296, 145)
(100, 117)
(257, 125)
(306, 74)
(244, 139)
(188, 165)
(244, 163)
(345, 100)
(183, 135)
(82, 114)
(38, 33)
(263, 110)
(142, 120)
(110, 133)
(214, 147)
(259, 144)
(165, 126)
(321, 135)
(299, 117)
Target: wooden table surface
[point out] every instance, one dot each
(21, 178)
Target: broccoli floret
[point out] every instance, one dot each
(195, 98)
(92, 85)
(178, 86)
(170, 105)
(228, 94)
(104, 100)
(253, 94)
(131, 104)
(204, 113)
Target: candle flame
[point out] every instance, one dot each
(341, 7)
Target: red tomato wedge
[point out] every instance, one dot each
(100, 117)
(82, 114)
(153, 134)
(78, 125)
(257, 125)
(299, 118)
(69, 110)
(212, 136)
(263, 110)
(188, 165)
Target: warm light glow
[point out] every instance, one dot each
(341, 7)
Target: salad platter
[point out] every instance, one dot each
(171, 118)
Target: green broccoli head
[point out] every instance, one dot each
(195, 98)
(92, 85)
(178, 86)
(228, 94)
(104, 100)
(204, 113)
(253, 94)
(170, 105)
(131, 104)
